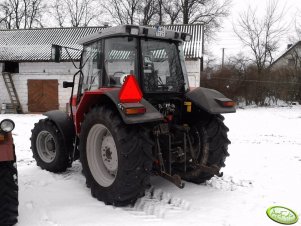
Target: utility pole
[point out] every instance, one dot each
(223, 57)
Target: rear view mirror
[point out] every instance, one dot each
(56, 52)
(67, 84)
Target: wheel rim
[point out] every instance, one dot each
(46, 146)
(199, 145)
(102, 155)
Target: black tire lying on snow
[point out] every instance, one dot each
(116, 158)
(8, 193)
(48, 147)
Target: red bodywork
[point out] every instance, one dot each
(88, 99)
(6, 147)
(129, 93)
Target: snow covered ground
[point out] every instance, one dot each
(264, 169)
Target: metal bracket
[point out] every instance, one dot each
(211, 169)
(175, 179)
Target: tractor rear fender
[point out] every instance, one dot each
(7, 152)
(208, 100)
(65, 125)
(110, 97)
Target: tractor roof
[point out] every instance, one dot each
(141, 31)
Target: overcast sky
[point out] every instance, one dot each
(226, 37)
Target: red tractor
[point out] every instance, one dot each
(133, 116)
(8, 175)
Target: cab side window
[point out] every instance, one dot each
(92, 66)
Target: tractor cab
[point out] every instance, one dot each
(154, 56)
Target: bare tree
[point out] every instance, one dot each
(240, 63)
(208, 12)
(123, 11)
(296, 35)
(59, 13)
(148, 9)
(6, 15)
(75, 13)
(33, 11)
(16, 14)
(172, 10)
(261, 34)
(149, 12)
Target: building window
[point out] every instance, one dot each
(291, 62)
(12, 67)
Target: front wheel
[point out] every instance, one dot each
(8, 193)
(115, 157)
(48, 147)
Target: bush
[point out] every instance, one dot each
(245, 84)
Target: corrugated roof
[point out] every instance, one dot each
(35, 44)
(193, 48)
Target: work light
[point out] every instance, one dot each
(134, 30)
(7, 125)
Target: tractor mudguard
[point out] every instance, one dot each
(207, 100)
(109, 97)
(151, 114)
(64, 123)
(7, 152)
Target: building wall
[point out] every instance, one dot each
(4, 98)
(288, 59)
(193, 71)
(42, 70)
(63, 72)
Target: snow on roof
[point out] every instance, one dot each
(35, 44)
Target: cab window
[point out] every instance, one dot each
(120, 59)
(92, 66)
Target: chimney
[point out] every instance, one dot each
(289, 46)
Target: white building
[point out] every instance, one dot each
(291, 58)
(26, 66)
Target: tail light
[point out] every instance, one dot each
(225, 102)
(132, 108)
(229, 104)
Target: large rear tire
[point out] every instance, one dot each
(116, 158)
(214, 148)
(8, 193)
(48, 147)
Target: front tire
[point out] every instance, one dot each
(48, 147)
(115, 157)
(8, 193)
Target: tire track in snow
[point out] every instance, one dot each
(157, 204)
(228, 183)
